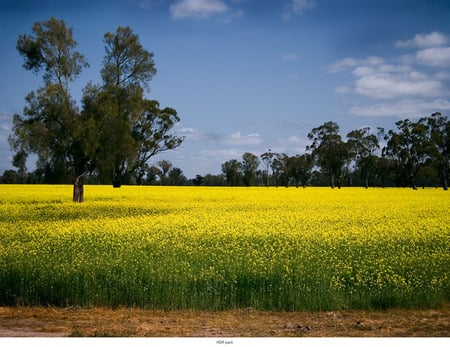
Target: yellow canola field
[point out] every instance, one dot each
(221, 248)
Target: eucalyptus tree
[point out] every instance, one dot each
(232, 170)
(117, 131)
(165, 167)
(438, 134)
(267, 158)
(363, 144)
(50, 125)
(408, 146)
(329, 152)
(249, 165)
(279, 169)
(299, 168)
(132, 128)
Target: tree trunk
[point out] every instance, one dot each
(78, 190)
(332, 181)
(444, 179)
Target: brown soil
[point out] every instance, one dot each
(54, 322)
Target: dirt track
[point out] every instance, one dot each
(58, 322)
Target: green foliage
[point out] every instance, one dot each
(116, 132)
(330, 153)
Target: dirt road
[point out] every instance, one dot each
(58, 322)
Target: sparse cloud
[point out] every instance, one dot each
(433, 39)
(297, 8)
(183, 9)
(197, 8)
(406, 85)
(237, 139)
(349, 62)
(289, 56)
(293, 76)
(403, 108)
(433, 49)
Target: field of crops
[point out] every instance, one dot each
(224, 248)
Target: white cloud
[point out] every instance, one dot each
(236, 139)
(222, 154)
(394, 85)
(433, 49)
(403, 108)
(349, 62)
(436, 56)
(433, 39)
(409, 85)
(343, 64)
(298, 7)
(197, 8)
(377, 79)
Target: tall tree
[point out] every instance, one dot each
(249, 165)
(50, 125)
(117, 131)
(408, 146)
(363, 145)
(330, 153)
(131, 128)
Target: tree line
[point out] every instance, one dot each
(416, 153)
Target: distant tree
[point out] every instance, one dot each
(408, 147)
(299, 169)
(438, 134)
(232, 171)
(176, 177)
(363, 146)
(165, 166)
(198, 180)
(9, 177)
(249, 165)
(20, 162)
(279, 169)
(214, 180)
(329, 152)
(384, 172)
(267, 158)
(152, 173)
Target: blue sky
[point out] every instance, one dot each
(249, 75)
